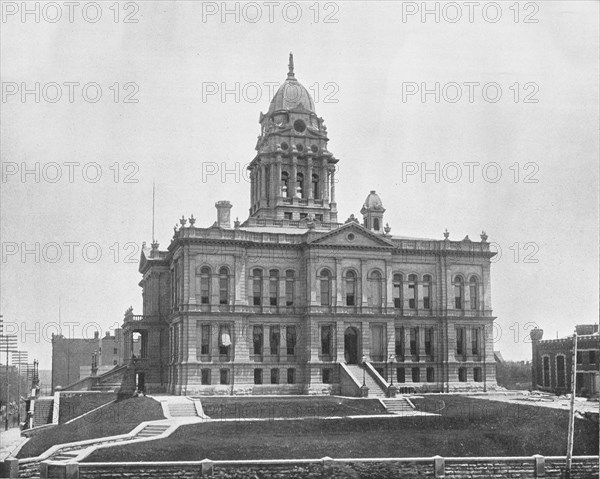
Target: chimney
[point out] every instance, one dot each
(223, 214)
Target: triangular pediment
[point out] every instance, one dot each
(353, 235)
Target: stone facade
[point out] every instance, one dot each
(275, 304)
(552, 362)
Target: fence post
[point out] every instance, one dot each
(10, 467)
(539, 466)
(439, 466)
(72, 470)
(207, 467)
(327, 466)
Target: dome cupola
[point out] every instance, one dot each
(372, 212)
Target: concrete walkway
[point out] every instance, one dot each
(10, 441)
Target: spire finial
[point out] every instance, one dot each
(291, 66)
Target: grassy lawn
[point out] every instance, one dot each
(117, 418)
(297, 407)
(466, 427)
(75, 404)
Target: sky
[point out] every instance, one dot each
(484, 122)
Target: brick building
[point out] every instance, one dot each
(292, 302)
(552, 362)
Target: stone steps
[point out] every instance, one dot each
(397, 406)
(182, 409)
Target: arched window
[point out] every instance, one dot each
(325, 288)
(205, 285)
(412, 291)
(223, 285)
(397, 284)
(427, 291)
(315, 187)
(376, 289)
(350, 288)
(473, 292)
(376, 224)
(289, 287)
(273, 287)
(257, 286)
(285, 184)
(458, 292)
(299, 185)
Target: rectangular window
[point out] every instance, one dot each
(291, 376)
(429, 341)
(205, 376)
(319, 217)
(414, 341)
(560, 371)
(303, 215)
(475, 341)
(326, 375)
(205, 289)
(399, 344)
(224, 374)
(205, 339)
(460, 341)
(289, 291)
(326, 340)
(224, 340)
(223, 289)
(273, 289)
(258, 376)
(462, 375)
(397, 295)
(430, 375)
(400, 377)
(290, 340)
(579, 357)
(426, 296)
(412, 297)
(257, 290)
(115, 351)
(416, 375)
(274, 336)
(287, 216)
(325, 290)
(592, 357)
(274, 376)
(257, 340)
(546, 371)
(477, 375)
(114, 362)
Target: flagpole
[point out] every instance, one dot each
(572, 410)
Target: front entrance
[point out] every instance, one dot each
(351, 346)
(140, 382)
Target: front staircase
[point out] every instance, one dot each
(398, 406)
(42, 411)
(184, 408)
(375, 390)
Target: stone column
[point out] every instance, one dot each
(324, 181)
(214, 341)
(362, 292)
(277, 181)
(308, 178)
(263, 183)
(407, 354)
(419, 295)
(422, 355)
(240, 278)
(333, 185)
(366, 340)
(293, 176)
(214, 289)
(337, 284)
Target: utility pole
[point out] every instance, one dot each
(572, 410)
(8, 342)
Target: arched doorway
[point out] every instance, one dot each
(351, 345)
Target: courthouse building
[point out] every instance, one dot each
(292, 301)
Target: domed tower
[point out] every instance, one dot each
(293, 173)
(372, 212)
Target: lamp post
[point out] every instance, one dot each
(392, 360)
(363, 361)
